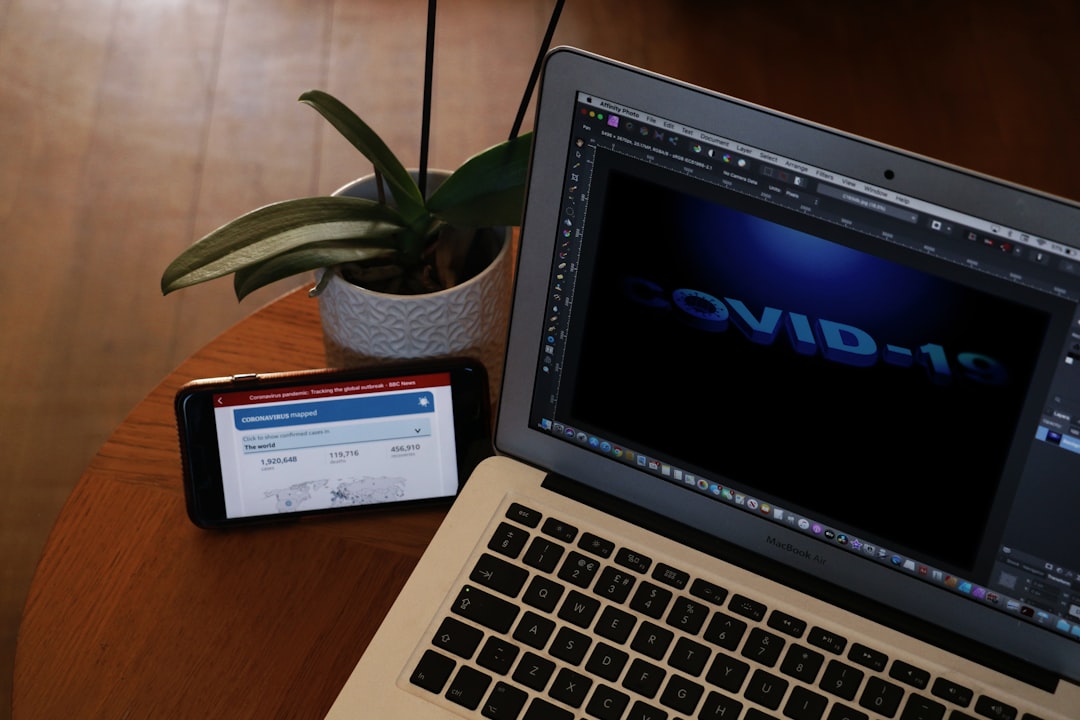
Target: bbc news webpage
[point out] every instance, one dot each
(302, 449)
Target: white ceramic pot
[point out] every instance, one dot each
(361, 327)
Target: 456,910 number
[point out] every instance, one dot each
(407, 447)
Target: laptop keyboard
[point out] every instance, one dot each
(556, 623)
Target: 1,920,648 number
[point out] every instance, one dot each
(268, 462)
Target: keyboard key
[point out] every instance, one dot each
(432, 671)
(742, 605)
(881, 696)
(559, 530)
(579, 569)
(534, 671)
(827, 640)
(952, 692)
(458, 638)
(842, 712)
(468, 687)
(508, 540)
(753, 713)
(543, 593)
(497, 655)
(868, 657)
(534, 630)
(579, 609)
(727, 673)
(644, 711)
(720, 706)
(607, 703)
(615, 624)
(652, 640)
(681, 695)
(596, 545)
(763, 647)
(607, 662)
(787, 624)
(671, 576)
(909, 674)
(570, 645)
(725, 631)
(689, 656)
(633, 560)
(841, 680)
(805, 705)
(687, 615)
(505, 702)
(541, 709)
(802, 663)
(994, 709)
(651, 600)
(499, 575)
(644, 678)
(766, 689)
(614, 584)
(484, 608)
(522, 514)
(708, 592)
(570, 687)
(918, 707)
(543, 554)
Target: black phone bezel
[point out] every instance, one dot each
(201, 465)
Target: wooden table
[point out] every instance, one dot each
(134, 612)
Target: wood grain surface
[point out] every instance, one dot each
(135, 612)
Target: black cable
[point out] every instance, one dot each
(536, 68)
(425, 123)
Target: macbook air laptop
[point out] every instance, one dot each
(790, 428)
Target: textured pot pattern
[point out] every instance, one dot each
(361, 327)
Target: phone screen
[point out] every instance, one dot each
(317, 447)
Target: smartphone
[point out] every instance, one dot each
(262, 447)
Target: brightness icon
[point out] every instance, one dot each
(424, 402)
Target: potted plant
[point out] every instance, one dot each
(414, 274)
(403, 276)
(415, 244)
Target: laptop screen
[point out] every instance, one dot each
(848, 375)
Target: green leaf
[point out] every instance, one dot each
(404, 189)
(301, 260)
(488, 190)
(275, 229)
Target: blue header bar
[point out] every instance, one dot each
(325, 411)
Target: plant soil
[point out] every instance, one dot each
(452, 259)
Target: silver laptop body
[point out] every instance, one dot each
(789, 428)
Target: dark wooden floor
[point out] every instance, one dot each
(130, 127)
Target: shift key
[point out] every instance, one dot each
(484, 608)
